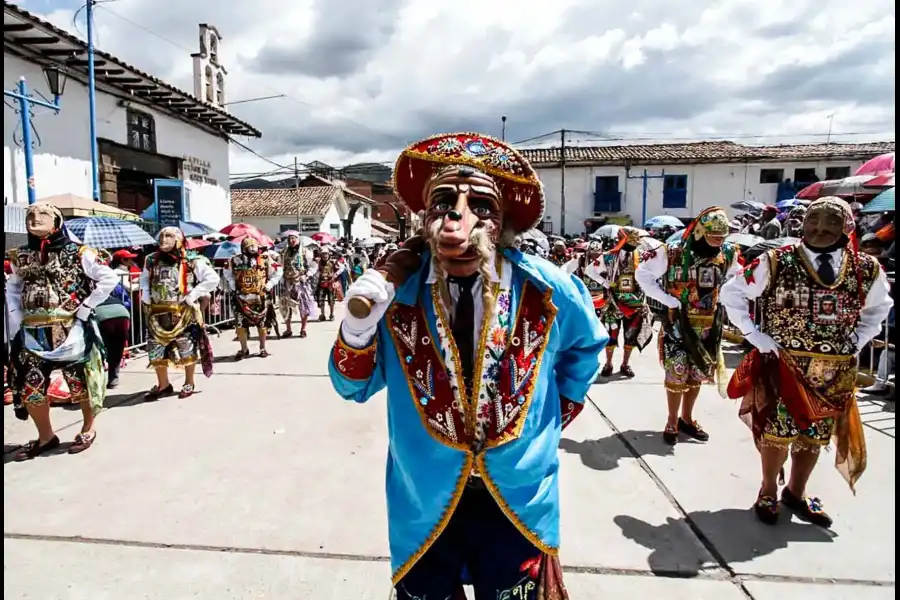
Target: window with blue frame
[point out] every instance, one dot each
(675, 191)
(607, 197)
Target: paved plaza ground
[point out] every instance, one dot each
(266, 485)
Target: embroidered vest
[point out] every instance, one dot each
(293, 262)
(327, 269)
(58, 283)
(699, 290)
(169, 282)
(250, 274)
(803, 314)
(623, 286)
(594, 287)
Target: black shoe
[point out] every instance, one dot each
(766, 509)
(34, 449)
(627, 371)
(807, 509)
(670, 435)
(606, 371)
(692, 430)
(113, 383)
(155, 393)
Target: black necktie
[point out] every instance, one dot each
(826, 270)
(463, 328)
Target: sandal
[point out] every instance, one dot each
(186, 391)
(241, 355)
(34, 448)
(83, 441)
(263, 353)
(155, 393)
(303, 333)
(286, 334)
(670, 435)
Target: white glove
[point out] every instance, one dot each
(672, 302)
(373, 286)
(83, 313)
(189, 299)
(762, 342)
(269, 286)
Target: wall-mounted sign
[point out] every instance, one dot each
(169, 199)
(197, 169)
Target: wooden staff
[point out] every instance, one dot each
(398, 267)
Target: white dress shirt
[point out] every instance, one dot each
(476, 293)
(105, 281)
(206, 277)
(651, 271)
(737, 294)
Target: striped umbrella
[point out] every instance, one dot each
(881, 181)
(883, 202)
(878, 165)
(107, 232)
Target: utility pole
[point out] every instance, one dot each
(297, 190)
(503, 130)
(830, 123)
(562, 182)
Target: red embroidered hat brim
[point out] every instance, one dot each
(522, 192)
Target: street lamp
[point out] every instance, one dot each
(56, 81)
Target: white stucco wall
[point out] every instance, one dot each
(361, 228)
(707, 185)
(331, 223)
(62, 160)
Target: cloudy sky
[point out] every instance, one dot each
(364, 77)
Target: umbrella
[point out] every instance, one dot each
(848, 186)
(675, 237)
(240, 229)
(663, 221)
(757, 250)
(789, 203)
(883, 202)
(195, 229)
(222, 251)
(107, 232)
(607, 231)
(878, 165)
(810, 192)
(538, 237)
(260, 237)
(373, 241)
(196, 244)
(750, 206)
(881, 181)
(323, 238)
(744, 240)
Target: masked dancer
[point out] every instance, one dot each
(686, 278)
(486, 354)
(625, 311)
(172, 282)
(559, 254)
(252, 275)
(820, 302)
(299, 270)
(51, 292)
(328, 271)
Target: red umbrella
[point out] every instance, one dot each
(195, 243)
(878, 165)
(238, 229)
(323, 238)
(811, 192)
(260, 237)
(881, 181)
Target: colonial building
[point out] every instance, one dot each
(635, 182)
(308, 208)
(147, 130)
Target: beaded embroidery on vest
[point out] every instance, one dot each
(58, 283)
(803, 314)
(699, 294)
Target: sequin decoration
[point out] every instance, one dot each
(354, 364)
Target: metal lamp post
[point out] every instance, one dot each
(56, 82)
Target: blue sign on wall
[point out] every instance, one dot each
(168, 200)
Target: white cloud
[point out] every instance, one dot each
(367, 78)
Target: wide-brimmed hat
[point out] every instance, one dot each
(521, 190)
